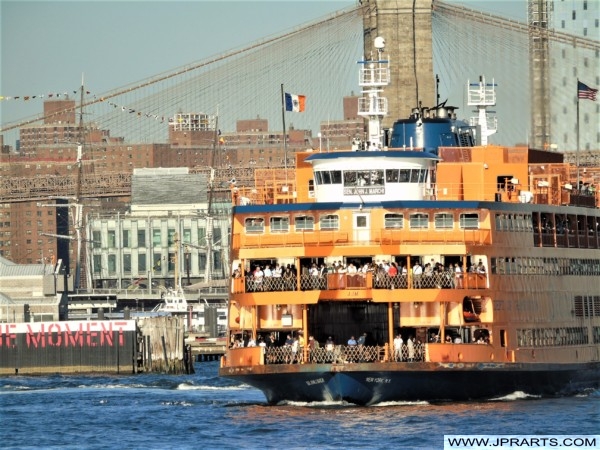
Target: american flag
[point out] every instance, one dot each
(584, 91)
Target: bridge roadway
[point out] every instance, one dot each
(97, 185)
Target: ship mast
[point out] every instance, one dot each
(374, 75)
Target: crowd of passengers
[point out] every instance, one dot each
(385, 275)
(355, 350)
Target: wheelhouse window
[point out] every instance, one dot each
(328, 177)
(329, 222)
(280, 224)
(304, 223)
(469, 221)
(363, 178)
(444, 221)
(419, 220)
(255, 225)
(394, 221)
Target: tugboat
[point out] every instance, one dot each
(421, 264)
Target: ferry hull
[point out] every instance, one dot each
(369, 383)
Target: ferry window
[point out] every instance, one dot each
(419, 220)
(499, 222)
(394, 221)
(280, 224)
(326, 177)
(414, 175)
(329, 222)
(391, 175)
(304, 223)
(444, 220)
(255, 225)
(350, 178)
(318, 178)
(404, 175)
(311, 188)
(469, 220)
(336, 177)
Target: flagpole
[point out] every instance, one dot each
(577, 150)
(284, 134)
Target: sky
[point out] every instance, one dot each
(48, 46)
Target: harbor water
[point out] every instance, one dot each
(152, 411)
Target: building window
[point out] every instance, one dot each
(444, 221)
(255, 225)
(393, 221)
(171, 234)
(141, 237)
(187, 236)
(280, 224)
(96, 239)
(156, 238)
(126, 242)
(112, 239)
(112, 264)
(127, 263)
(141, 263)
(304, 223)
(97, 260)
(329, 222)
(419, 220)
(469, 221)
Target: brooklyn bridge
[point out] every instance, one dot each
(531, 63)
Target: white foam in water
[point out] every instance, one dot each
(517, 395)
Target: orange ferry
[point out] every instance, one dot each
(408, 270)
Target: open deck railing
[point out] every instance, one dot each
(337, 281)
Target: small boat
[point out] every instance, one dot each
(366, 252)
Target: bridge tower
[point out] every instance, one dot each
(406, 27)
(539, 70)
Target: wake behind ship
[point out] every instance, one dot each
(422, 265)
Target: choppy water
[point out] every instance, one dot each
(205, 411)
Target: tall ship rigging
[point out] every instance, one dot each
(422, 264)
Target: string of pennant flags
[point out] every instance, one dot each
(123, 108)
(36, 96)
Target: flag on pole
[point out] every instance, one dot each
(584, 91)
(294, 102)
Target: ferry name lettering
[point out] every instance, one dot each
(364, 191)
(352, 293)
(315, 381)
(378, 380)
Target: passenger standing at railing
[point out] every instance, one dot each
(417, 272)
(288, 279)
(398, 348)
(458, 276)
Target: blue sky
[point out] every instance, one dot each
(46, 46)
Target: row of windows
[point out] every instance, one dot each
(370, 177)
(547, 222)
(545, 266)
(109, 240)
(587, 306)
(281, 224)
(551, 337)
(159, 261)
